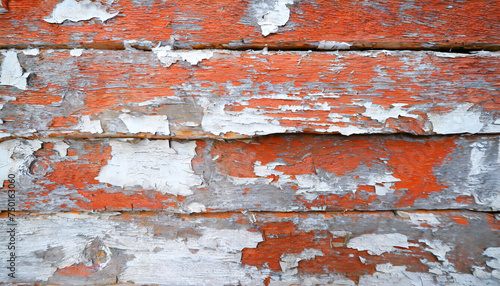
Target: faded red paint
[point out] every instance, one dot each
(381, 79)
(82, 171)
(385, 24)
(306, 154)
(78, 270)
(282, 238)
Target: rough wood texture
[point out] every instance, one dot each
(242, 94)
(258, 248)
(278, 173)
(421, 24)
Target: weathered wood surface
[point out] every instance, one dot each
(409, 248)
(299, 24)
(277, 173)
(235, 94)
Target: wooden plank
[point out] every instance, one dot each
(299, 24)
(432, 248)
(243, 94)
(277, 173)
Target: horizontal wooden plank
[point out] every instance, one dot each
(277, 173)
(280, 24)
(242, 94)
(432, 248)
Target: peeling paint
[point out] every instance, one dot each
(420, 218)
(459, 120)
(289, 262)
(31, 52)
(87, 125)
(154, 124)
(272, 15)
(12, 72)
(134, 45)
(379, 113)
(196, 208)
(332, 45)
(377, 244)
(16, 156)
(74, 11)
(152, 165)
(493, 252)
(438, 248)
(76, 52)
(168, 57)
(246, 122)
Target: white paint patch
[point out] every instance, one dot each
(290, 261)
(59, 146)
(332, 45)
(267, 170)
(87, 125)
(379, 113)
(31, 52)
(154, 124)
(196, 208)
(169, 57)
(493, 252)
(249, 121)
(457, 121)
(16, 155)
(389, 268)
(76, 52)
(152, 165)
(12, 72)
(377, 244)
(420, 218)
(345, 130)
(438, 248)
(74, 11)
(312, 185)
(273, 17)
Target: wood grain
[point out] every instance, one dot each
(277, 173)
(421, 24)
(234, 94)
(256, 248)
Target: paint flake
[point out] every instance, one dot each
(459, 120)
(12, 72)
(270, 18)
(31, 52)
(196, 208)
(87, 125)
(154, 124)
(420, 218)
(152, 165)
(168, 57)
(290, 261)
(379, 113)
(332, 45)
(76, 52)
(377, 244)
(249, 121)
(74, 11)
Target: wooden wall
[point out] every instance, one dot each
(258, 142)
